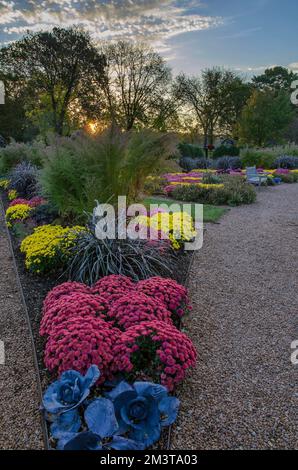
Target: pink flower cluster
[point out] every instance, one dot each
(75, 304)
(79, 342)
(33, 202)
(113, 287)
(169, 292)
(134, 308)
(175, 351)
(103, 325)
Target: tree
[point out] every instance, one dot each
(136, 81)
(211, 97)
(265, 118)
(61, 64)
(275, 79)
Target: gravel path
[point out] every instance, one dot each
(244, 286)
(20, 423)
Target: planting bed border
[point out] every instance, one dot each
(20, 273)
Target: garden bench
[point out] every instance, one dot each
(254, 177)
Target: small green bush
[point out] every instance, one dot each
(288, 178)
(15, 153)
(236, 191)
(258, 158)
(210, 178)
(223, 150)
(190, 150)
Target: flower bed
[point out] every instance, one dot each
(72, 311)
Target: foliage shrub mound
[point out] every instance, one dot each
(173, 295)
(286, 176)
(83, 169)
(136, 307)
(285, 161)
(15, 153)
(79, 342)
(222, 150)
(227, 163)
(189, 164)
(190, 150)
(23, 179)
(44, 214)
(113, 287)
(234, 192)
(75, 304)
(91, 258)
(256, 157)
(157, 350)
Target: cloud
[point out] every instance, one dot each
(147, 20)
(293, 66)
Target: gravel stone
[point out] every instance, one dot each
(243, 284)
(20, 421)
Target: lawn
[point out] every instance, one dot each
(211, 213)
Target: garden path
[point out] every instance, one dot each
(20, 423)
(244, 288)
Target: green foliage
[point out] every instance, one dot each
(275, 79)
(235, 192)
(288, 178)
(91, 258)
(154, 185)
(211, 213)
(15, 153)
(78, 171)
(210, 178)
(265, 118)
(190, 150)
(223, 150)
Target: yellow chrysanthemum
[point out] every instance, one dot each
(12, 194)
(47, 246)
(4, 184)
(18, 212)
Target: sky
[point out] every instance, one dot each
(247, 36)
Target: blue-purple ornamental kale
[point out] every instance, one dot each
(130, 417)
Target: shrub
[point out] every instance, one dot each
(157, 350)
(113, 287)
(189, 164)
(235, 191)
(80, 170)
(258, 158)
(136, 307)
(190, 150)
(287, 177)
(80, 342)
(47, 249)
(222, 150)
(211, 178)
(169, 292)
(23, 179)
(74, 304)
(15, 153)
(154, 185)
(44, 214)
(227, 163)
(17, 213)
(285, 161)
(91, 258)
